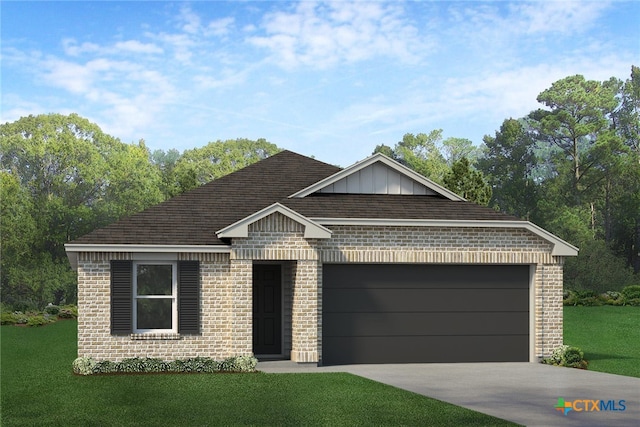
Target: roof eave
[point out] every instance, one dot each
(73, 249)
(560, 247)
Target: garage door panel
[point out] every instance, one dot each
(441, 349)
(391, 313)
(411, 300)
(415, 276)
(424, 324)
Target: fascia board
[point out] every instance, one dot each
(79, 247)
(378, 157)
(72, 249)
(312, 230)
(560, 247)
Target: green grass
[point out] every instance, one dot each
(38, 388)
(608, 335)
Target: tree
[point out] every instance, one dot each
(578, 113)
(166, 163)
(508, 163)
(627, 117)
(66, 178)
(421, 153)
(455, 149)
(468, 183)
(216, 159)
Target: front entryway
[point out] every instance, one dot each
(267, 309)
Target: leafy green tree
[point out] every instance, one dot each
(166, 163)
(597, 268)
(455, 149)
(627, 116)
(508, 163)
(578, 113)
(216, 159)
(421, 153)
(62, 177)
(468, 183)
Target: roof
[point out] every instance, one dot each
(194, 217)
(303, 189)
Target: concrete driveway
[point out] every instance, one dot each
(525, 393)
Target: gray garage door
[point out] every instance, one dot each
(424, 313)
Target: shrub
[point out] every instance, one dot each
(84, 366)
(631, 295)
(20, 318)
(68, 312)
(571, 357)
(239, 364)
(583, 297)
(52, 309)
(89, 366)
(38, 320)
(7, 318)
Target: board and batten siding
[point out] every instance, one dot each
(377, 179)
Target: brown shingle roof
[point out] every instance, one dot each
(194, 217)
(382, 206)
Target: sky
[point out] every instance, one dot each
(326, 79)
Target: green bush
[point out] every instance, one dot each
(38, 320)
(8, 318)
(583, 297)
(52, 309)
(68, 312)
(571, 357)
(239, 364)
(89, 366)
(84, 366)
(631, 295)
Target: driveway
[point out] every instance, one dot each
(525, 393)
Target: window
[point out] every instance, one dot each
(155, 296)
(150, 297)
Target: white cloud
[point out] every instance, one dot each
(557, 16)
(220, 27)
(326, 34)
(134, 46)
(72, 48)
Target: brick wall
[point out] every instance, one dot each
(218, 314)
(226, 312)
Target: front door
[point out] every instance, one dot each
(267, 309)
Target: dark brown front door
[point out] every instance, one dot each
(267, 309)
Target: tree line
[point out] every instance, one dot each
(572, 167)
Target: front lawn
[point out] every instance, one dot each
(38, 388)
(608, 335)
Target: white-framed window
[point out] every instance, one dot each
(155, 297)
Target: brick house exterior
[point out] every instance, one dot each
(301, 223)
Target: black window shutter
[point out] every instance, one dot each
(121, 297)
(189, 297)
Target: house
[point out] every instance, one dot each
(297, 259)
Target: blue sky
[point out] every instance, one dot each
(328, 79)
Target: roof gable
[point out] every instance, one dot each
(240, 228)
(378, 174)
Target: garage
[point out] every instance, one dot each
(416, 313)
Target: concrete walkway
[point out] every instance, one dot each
(525, 393)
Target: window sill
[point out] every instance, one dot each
(155, 336)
